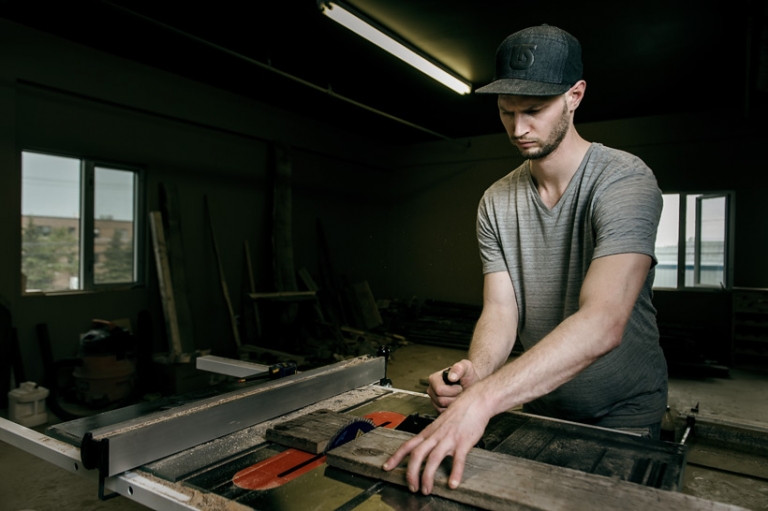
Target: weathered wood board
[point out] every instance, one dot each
(597, 451)
(499, 481)
(222, 279)
(171, 216)
(166, 285)
(312, 432)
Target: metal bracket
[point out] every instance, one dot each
(102, 496)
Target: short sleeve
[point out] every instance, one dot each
(626, 212)
(491, 253)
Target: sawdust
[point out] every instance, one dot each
(203, 501)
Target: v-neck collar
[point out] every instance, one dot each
(558, 205)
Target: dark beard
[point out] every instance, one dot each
(557, 136)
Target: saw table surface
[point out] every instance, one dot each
(245, 469)
(316, 441)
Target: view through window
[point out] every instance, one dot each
(704, 252)
(78, 224)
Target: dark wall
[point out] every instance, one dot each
(61, 98)
(402, 218)
(441, 184)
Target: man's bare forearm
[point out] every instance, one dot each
(493, 340)
(575, 344)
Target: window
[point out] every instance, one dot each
(694, 245)
(79, 224)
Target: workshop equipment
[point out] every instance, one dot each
(26, 405)
(212, 450)
(107, 372)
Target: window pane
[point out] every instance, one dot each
(113, 237)
(712, 252)
(666, 242)
(50, 222)
(690, 238)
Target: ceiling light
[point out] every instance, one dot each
(378, 37)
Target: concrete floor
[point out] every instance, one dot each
(27, 483)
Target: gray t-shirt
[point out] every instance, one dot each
(611, 206)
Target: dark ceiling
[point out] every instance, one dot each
(640, 58)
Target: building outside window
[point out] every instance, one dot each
(79, 224)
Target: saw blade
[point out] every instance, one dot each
(317, 431)
(290, 464)
(357, 426)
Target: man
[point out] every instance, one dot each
(567, 246)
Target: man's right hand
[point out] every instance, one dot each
(461, 374)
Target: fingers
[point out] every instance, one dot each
(440, 403)
(435, 458)
(417, 447)
(465, 372)
(402, 452)
(443, 394)
(459, 458)
(456, 371)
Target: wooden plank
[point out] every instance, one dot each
(727, 460)
(598, 451)
(282, 223)
(251, 316)
(364, 306)
(502, 482)
(283, 271)
(284, 296)
(312, 432)
(166, 285)
(174, 246)
(310, 284)
(224, 288)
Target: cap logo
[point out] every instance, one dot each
(522, 56)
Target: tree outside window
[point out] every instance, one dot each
(79, 224)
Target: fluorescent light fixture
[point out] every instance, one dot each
(379, 38)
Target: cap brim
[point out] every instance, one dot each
(523, 88)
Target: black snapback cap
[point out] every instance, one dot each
(536, 61)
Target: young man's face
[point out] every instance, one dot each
(536, 125)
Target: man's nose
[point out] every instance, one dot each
(518, 127)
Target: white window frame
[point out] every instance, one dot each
(87, 221)
(728, 246)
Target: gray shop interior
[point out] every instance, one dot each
(683, 86)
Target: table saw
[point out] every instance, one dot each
(220, 448)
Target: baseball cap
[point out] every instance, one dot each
(536, 61)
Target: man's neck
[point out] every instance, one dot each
(553, 172)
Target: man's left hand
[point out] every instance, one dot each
(453, 433)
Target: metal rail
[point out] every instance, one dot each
(132, 485)
(118, 448)
(230, 367)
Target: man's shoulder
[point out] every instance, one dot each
(508, 181)
(612, 157)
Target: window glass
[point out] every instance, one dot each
(113, 226)
(667, 242)
(50, 220)
(711, 257)
(705, 242)
(79, 224)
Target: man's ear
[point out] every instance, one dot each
(575, 94)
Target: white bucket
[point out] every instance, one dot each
(26, 405)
